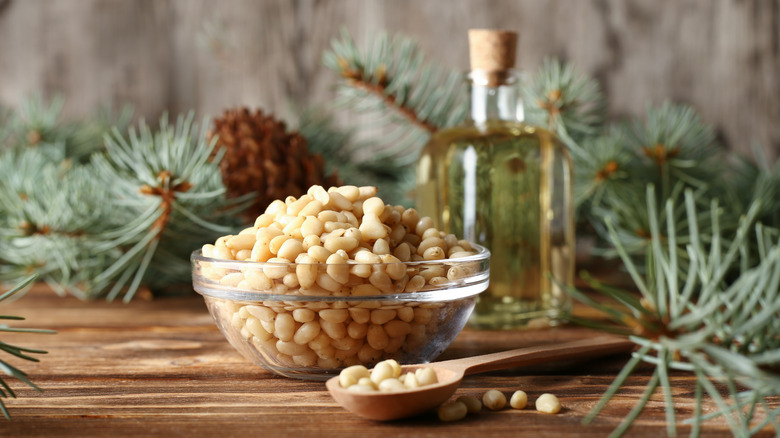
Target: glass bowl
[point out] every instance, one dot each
(309, 321)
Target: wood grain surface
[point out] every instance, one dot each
(161, 368)
(720, 56)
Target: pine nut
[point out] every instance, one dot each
(328, 216)
(548, 404)
(409, 218)
(381, 316)
(284, 327)
(290, 249)
(338, 201)
(222, 252)
(327, 282)
(362, 271)
(426, 376)
(319, 253)
(402, 252)
(311, 226)
(320, 342)
(256, 328)
(367, 192)
(351, 375)
(333, 243)
(473, 405)
(431, 232)
(306, 270)
(334, 315)
(381, 247)
(361, 388)
(313, 208)
(352, 193)
(519, 400)
(307, 332)
(356, 330)
(374, 206)
(397, 328)
(291, 348)
(256, 280)
(349, 346)
(277, 242)
(376, 337)
(494, 400)
(397, 233)
(276, 268)
(264, 220)
(335, 330)
(261, 312)
(241, 241)
(365, 290)
(303, 315)
(367, 257)
(432, 271)
(354, 233)
(382, 281)
(295, 207)
(405, 314)
(382, 371)
(452, 411)
(372, 228)
(434, 253)
(307, 359)
(291, 281)
(276, 208)
(415, 284)
(422, 225)
(390, 385)
(368, 354)
(359, 315)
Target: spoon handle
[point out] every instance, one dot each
(593, 347)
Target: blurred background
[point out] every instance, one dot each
(720, 56)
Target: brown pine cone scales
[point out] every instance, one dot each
(262, 157)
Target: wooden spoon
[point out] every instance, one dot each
(384, 406)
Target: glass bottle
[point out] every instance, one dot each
(506, 185)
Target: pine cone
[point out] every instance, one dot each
(262, 157)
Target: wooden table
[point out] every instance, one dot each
(161, 368)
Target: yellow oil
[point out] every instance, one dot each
(507, 186)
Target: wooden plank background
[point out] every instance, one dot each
(721, 56)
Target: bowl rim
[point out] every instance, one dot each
(482, 254)
(476, 284)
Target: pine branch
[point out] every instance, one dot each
(698, 319)
(49, 216)
(37, 124)
(678, 146)
(408, 97)
(16, 351)
(565, 100)
(603, 166)
(672, 150)
(92, 228)
(169, 183)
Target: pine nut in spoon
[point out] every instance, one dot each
(384, 406)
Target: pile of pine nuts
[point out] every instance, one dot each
(385, 377)
(340, 242)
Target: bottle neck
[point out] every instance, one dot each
(495, 97)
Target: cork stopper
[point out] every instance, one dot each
(492, 52)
